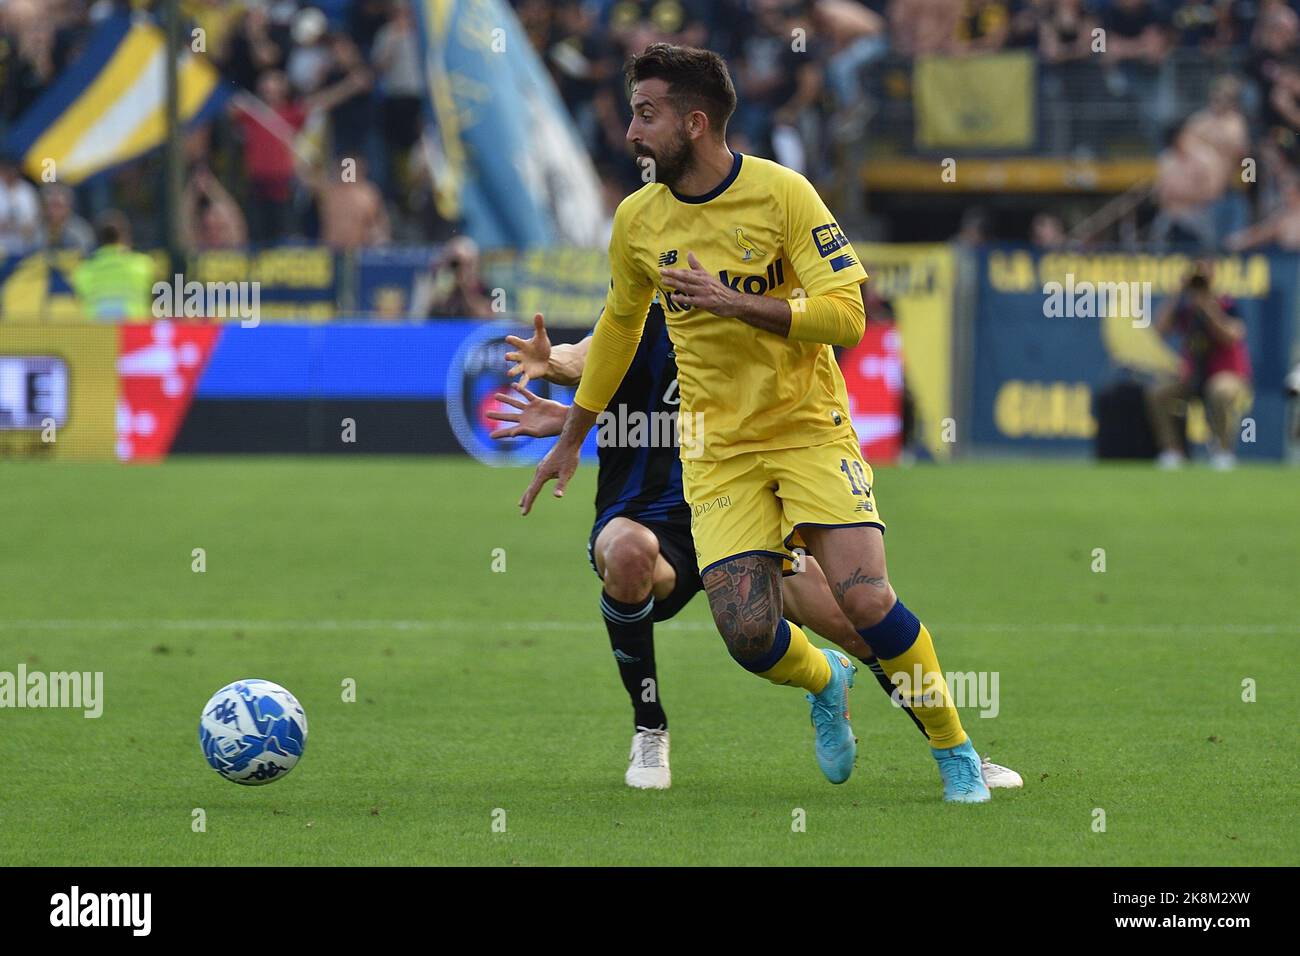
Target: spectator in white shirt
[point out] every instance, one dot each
(20, 211)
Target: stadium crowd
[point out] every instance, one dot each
(342, 78)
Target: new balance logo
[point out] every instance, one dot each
(668, 258)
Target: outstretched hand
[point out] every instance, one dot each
(532, 356)
(536, 417)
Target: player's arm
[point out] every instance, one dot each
(830, 310)
(610, 353)
(836, 317)
(568, 361)
(697, 288)
(611, 349)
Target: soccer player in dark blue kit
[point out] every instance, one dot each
(640, 544)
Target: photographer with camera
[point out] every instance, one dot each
(1215, 369)
(452, 287)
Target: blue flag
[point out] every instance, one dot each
(505, 154)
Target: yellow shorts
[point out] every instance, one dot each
(757, 502)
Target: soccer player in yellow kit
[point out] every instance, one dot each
(758, 283)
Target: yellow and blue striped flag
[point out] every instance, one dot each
(110, 105)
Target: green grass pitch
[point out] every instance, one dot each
(480, 690)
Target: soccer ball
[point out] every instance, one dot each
(253, 732)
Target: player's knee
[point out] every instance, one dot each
(747, 641)
(866, 606)
(629, 558)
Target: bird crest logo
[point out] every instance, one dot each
(748, 248)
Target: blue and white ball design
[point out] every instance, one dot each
(253, 732)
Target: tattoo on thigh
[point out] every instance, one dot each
(745, 597)
(841, 588)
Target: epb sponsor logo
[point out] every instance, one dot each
(829, 238)
(73, 909)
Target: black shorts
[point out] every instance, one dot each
(678, 549)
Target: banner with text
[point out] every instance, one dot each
(1051, 329)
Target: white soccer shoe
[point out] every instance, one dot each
(996, 775)
(1223, 461)
(647, 767)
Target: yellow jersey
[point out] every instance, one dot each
(765, 231)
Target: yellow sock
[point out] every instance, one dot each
(922, 686)
(801, 664)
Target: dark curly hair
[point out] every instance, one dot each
(697, 80)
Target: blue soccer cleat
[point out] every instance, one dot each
(836, 746)
(963, 781)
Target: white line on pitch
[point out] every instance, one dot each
(450, 624)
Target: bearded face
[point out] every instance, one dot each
(673, 159)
